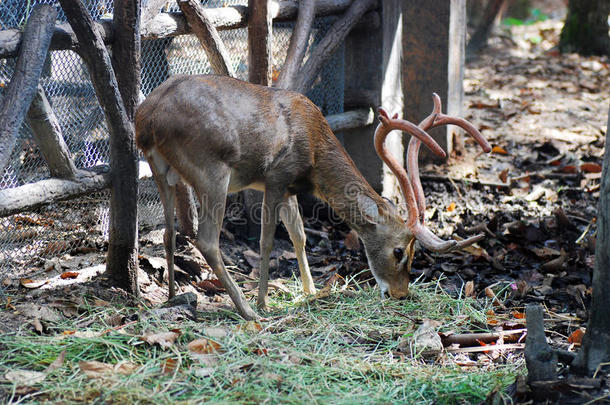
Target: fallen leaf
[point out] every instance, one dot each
(216, 332)
(38, 326)
(451, 207)
(203, 371)
(518, 315)
(591, 167)
(25, 377)
(27, 283)
(503, 176)
(57, 363)
(469, 289)
(68, 274)
(204, 346)
(168, 366)
(499, 150)
(576, 337)
(96, 369)
(249, 326)
(568, 169)
(163, 339)
(260, 351)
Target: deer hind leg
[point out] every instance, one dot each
(164, 177)
(294, 225)
(212, 192)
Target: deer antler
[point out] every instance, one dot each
(435, 119)
(415, 201)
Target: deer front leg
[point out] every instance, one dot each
(269, 219)
(294, 225)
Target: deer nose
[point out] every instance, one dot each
(399, 293)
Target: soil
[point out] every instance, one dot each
(535, 197)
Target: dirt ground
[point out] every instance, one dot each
(535, 197)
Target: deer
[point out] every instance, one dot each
(221, 135)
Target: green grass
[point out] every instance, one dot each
(342, 349)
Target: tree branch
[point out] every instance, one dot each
(333, 39)
(22, 87)
(298, 44)
(208, 36)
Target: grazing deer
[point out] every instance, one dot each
(221, 135)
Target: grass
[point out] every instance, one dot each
(343, 349)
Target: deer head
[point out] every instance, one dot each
(390, 246)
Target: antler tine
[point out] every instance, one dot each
(435, 119)
(412, 155)
(382, 131)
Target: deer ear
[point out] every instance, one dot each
(368, 207)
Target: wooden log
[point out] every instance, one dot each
(351, 119)
(333, 39)
(49, 137)
(22, 87)
(208, 37)
(122, 251)
(172, 24)
(298, 45)
(541, 360)
(259, 42)
(33, 195)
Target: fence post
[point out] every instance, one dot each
(433, 61)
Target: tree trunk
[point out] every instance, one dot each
(122, 260)
(596, 342)
(122, 249)
(22, 87)
(585, 30)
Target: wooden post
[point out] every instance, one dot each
(122, 248)
(259, 72)
(259, 42)
(373, 79)
(433, 48)
(22, 87)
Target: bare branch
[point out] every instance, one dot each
(298, 44)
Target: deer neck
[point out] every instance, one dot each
(344, 188)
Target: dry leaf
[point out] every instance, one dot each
(503, 176)
(591, 167)
(25, 377)
(499, 150)
(518, 315)
(249, 326)
(451, 207)
(68, 274)
(163, 339)
(576, 337)
(57, 363)
(96, 369)
(168, 366)
(204, 346)
(469, 289)
(38, 326)
(27, 283)
(216, 332)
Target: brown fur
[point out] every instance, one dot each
(205, 127)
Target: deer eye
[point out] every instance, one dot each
(398, 253)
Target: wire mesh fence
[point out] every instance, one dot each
(81, 224)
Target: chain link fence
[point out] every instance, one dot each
(30, 238)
